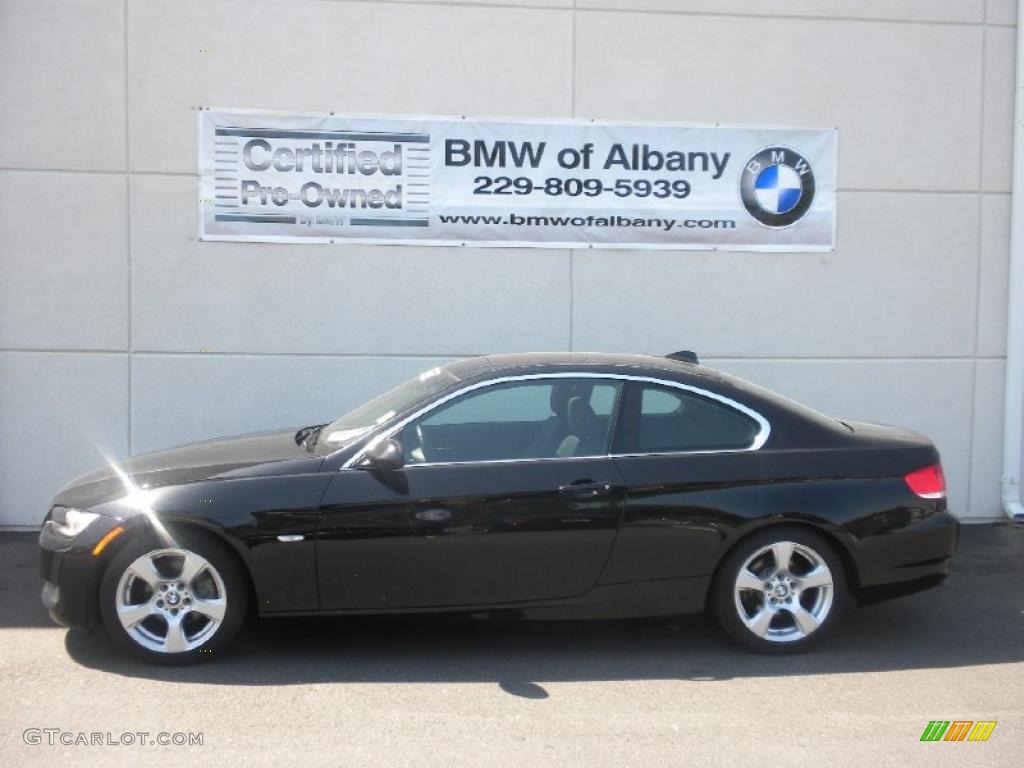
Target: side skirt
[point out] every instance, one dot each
(667, 597)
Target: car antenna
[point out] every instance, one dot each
(684, 356)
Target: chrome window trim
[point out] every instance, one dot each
(503, 461)
(759, 439)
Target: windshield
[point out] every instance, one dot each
(382, 408)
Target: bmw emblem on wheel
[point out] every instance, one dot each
(777, 186)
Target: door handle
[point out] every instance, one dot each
(585, 490)
(433, 515)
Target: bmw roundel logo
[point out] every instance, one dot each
(777, 186)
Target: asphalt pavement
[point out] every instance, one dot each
(454, 691)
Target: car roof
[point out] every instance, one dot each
(763, 400)
(607, 362)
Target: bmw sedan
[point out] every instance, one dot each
(539, 485)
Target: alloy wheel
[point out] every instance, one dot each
(784, 592)
(170, 600)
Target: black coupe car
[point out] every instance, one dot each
(539, 485)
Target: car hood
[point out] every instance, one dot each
(264, 453)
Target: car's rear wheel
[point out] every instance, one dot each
(780, 590)
(174, 602)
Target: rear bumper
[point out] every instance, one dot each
(881, 592)
(909, 557)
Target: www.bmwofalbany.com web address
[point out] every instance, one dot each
(517, 220)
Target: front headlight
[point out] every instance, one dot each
(71, 522)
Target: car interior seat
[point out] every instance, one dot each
(555, 429)
(586, 430)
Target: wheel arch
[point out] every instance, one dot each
(192, 525)
(842, 549)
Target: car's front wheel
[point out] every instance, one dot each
(780, 590)
(173, 601)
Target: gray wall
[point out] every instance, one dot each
(121, 333)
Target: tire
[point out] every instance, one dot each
(780, 610)
(177, 602)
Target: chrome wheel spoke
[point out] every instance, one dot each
(759, 622)
(804, 619)
(748, 580)
(144, 568)
(821, 576)
(130, 615)
(212, 609)
(191, 566)
(175, 641)
(782, 551)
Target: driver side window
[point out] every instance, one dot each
(536, 419)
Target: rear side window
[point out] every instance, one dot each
(659, 419)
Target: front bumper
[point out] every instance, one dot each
(71, 573)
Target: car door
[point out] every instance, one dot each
(690, 463)
(507, 495)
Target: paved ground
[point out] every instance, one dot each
(427, 692)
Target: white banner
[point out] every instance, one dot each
(272, 176)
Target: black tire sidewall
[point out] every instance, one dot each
(203, 544)
(725, 608)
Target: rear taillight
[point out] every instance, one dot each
(928, 482)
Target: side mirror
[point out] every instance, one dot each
(387, 454)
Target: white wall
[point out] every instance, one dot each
(107, 299)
